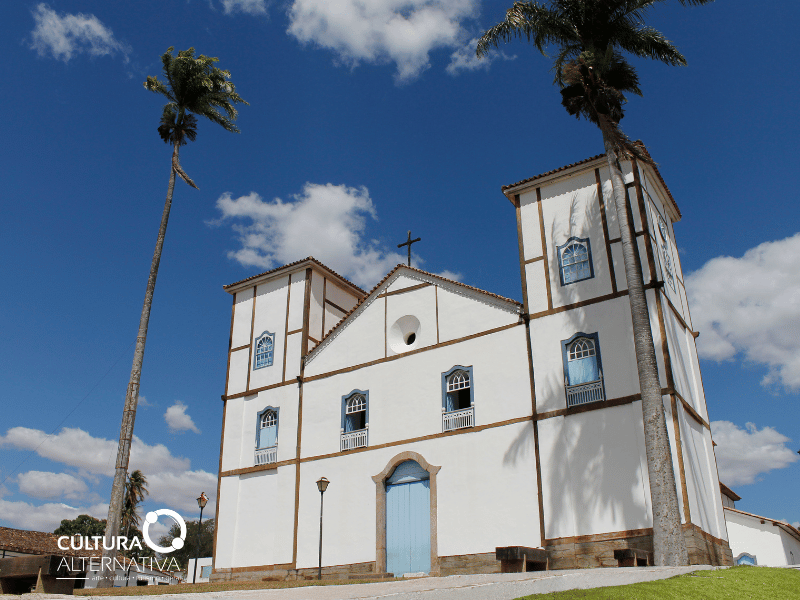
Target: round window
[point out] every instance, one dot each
(404, 334)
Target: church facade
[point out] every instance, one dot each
(451, 421)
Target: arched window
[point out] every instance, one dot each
(583, 373)
(268, 429)
(575, 260)
(582, 362)
(355, 420)
(265, 344)
(458, 398)
(458, 391)
(355, 413)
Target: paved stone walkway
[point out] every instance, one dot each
(506, 586)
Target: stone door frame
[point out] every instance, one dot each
(380, 506)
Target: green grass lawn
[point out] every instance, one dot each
(737, 583)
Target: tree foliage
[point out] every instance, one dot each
(189, 549)
(193, 85)
(135, 491)
(83, 525)
(591, 39)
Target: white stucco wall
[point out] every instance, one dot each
(702, 483)
(771, 546)
(593, 472)
(486, 496)
(612, 322)
(405, 395)
(444, 312)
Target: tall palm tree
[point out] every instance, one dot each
(194, 86)
(591, 37)
(135, 491)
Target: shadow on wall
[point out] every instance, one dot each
(593, 473)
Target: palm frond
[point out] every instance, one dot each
(194, 85)
(647, 42)
(535, 22)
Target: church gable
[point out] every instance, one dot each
(408, 311)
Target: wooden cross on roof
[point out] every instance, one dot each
(408, 243)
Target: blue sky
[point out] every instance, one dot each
(363, 124)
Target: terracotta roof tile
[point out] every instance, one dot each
(729, 492)
(786, 526)
(587, 160)
(292, 264)
(551, 172)
(37, 542)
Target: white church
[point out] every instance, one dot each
(452, 422)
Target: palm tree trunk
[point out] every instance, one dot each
(669, 546)
(131, 400)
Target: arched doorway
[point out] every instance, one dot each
(406, 516)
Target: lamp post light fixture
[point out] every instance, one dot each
(322, 485)
(201, 502)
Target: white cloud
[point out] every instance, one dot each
(41, 484)
(382, 31)
(180, 490)
(450, 275)
(751, 306)
(77, 448)
(63, 36)
(143, 402)
(250, 7)
(178, 420)
(45, 517)
(743, 454)
(324, 221)
(465, 59)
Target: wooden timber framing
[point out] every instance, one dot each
(410, 288)
(230, 344)
(687, 515)
(286, 328)
(544, 249)
(219, 479)
(606, 236)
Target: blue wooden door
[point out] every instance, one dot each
(408, 521)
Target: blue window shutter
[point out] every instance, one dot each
(268, 437)
(582, 370)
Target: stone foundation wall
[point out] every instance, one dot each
(286, 573)
(705, 549)
(585, 552)
(598, 551)
(468, 563)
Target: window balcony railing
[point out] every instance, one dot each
(265, 456)
(585, 393)
(354, 439)
(458, 419)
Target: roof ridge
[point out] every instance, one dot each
(639, 143)
(292, 264)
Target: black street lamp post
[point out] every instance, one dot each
(201, 502)
(322, 485)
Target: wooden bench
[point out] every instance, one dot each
(519, 559)
(633, 557)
